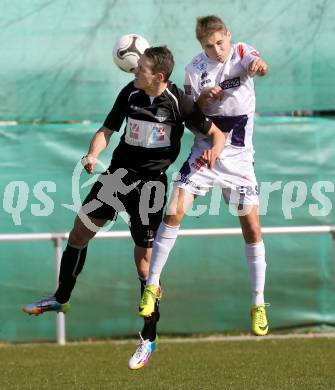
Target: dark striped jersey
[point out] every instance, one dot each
(154, 127)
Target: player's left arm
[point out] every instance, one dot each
(251, 60)
(258, 67)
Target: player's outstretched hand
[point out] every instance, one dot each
(89, 162)
(258, 67)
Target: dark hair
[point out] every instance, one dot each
(162, 60)
(208, 25)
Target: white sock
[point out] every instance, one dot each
(255, 254)
(164, 242)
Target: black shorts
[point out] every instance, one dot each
(143, 199)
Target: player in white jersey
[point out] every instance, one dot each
(220, 80)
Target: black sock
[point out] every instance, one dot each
(149, 330)
(72, 263)
(143, 283)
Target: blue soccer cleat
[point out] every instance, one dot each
(47, 304)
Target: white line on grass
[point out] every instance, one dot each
(206, 339)
(174, 340)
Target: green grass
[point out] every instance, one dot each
(260, 364)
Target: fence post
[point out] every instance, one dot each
(60, 317)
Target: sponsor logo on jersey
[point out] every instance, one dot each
(133, 131)
(158, 133)
(231, 83)
(204, 82)
(203, 75)
(254, 53)
(202, 66)
(147, 134)
(203, 78)
(196, 61)
(247, 190)
(184, 179)
(198, 164)
(240, 49)
(162, 114)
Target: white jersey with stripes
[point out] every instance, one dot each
(234, 113)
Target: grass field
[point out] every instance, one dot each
(247, 364)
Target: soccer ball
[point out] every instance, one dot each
(127, 51)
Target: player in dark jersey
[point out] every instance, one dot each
(155, 111)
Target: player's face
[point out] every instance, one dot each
(144, 77)
(217, 46)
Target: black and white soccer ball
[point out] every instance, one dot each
(127, 51)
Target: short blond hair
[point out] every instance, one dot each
(208, 25)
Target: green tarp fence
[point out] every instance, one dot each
(206, 279)
(56, 62)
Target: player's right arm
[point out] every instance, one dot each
(218, 140)
(98, 143)
(196, 121)
(112, 123)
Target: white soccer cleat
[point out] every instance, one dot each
(142, 354)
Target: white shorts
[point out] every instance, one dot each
(233, 172)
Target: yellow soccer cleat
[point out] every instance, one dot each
(259, 321)
(149, 298)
